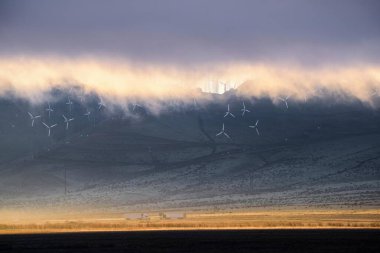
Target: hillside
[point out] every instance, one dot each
(312, 155)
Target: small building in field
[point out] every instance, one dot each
(137, 216)
(173, 215)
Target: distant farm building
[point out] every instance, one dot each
(137, 216)
(173, 215)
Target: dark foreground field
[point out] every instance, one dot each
(198, 241)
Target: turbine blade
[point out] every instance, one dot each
(227, 135)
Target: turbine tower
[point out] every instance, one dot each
(87, 114)
(49, 110)
(65, 180)
(69, 103)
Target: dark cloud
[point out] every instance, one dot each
(195, 31)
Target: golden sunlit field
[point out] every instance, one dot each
(207, 220)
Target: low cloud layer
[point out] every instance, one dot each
(147, 49)
(121, 81)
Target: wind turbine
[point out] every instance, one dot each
(101, 104)
(66, 120)
(228, 112)
(82, 98)
(285, 100)
(375, 93)
(69, 103)
(256, 127)
(49, 127)
(33, 117)
(49, 109)
(223, 132)
(87, 114)
(244, 110)
(195, 103)
(135, 105)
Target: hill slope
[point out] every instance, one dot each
(309, 155)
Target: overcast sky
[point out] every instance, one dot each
(163, 48)
(196, 31)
